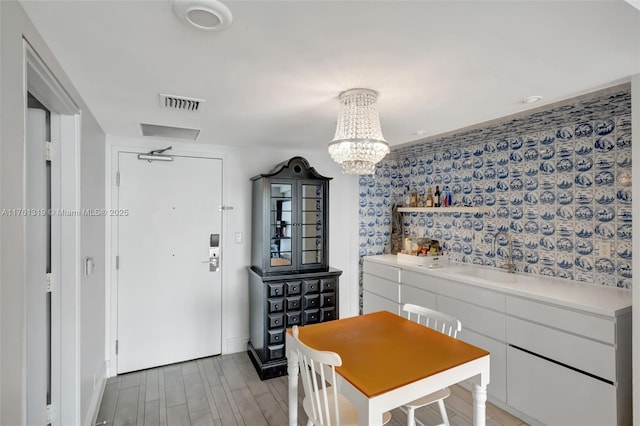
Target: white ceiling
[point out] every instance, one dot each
(273, 77)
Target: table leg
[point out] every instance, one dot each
(479, 394)
(293, 371)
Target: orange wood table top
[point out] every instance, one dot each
(381, 351)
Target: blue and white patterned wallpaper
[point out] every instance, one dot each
(558, 179)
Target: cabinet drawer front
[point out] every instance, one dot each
(276, 305)
(421, 281)
(275, 320)
(498, 384)
(475, 318)
(587, 355)
(311, 286)
(477, 296)
(383, 287)
(327, 284)
(311, 316)
(417, 297)
(293, 303)
(294, 287)
(311, 301)
(555, 395)
(294, 318)
(275, 336)
(591, 326)
(327, 314)
(275, 289)
(275, 351)
(373, 303)
(388, 272)
(327, 300)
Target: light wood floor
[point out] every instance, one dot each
(225, 390)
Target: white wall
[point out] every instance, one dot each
(239, 165)
(89, 338)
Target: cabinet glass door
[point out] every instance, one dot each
(281, 225)
(311, 224)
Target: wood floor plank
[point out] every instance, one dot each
(152, 413)
(201, 418)
(178, 415)
(271, 410)
(174, 387)
(207, 390)
(233, 375)
(131, 379)
(141, 396)
(189, 367)
(222, 404)
(108, 404)
(152, 385)
(210, 370)
(127, 407)
(162, 399)
(249, 409)
(194, 390)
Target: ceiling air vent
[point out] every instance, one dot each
(170, 132)
(180, 102)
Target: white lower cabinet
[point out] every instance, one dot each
(557, 395)
(551, 363)
(497, 388)
(372, 302)
(381, 288)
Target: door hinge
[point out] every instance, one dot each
(116, 347)
(48, 151)
(49, 414)
(117, 263)
(118, 178)
(49, 283)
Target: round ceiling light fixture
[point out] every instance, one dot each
(206, 15)
(531, 99)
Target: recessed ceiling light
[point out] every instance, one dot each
(206, 15)
(531, 99)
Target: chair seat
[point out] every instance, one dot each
(429, 399)
(348, 411)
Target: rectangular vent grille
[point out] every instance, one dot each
(180, 102)
(169, 132)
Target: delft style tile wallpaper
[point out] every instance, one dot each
(557, 179)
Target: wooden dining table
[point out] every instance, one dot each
(388, 361)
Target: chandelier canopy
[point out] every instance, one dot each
(358, 143)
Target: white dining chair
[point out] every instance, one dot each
(445, 324)
(323, 404)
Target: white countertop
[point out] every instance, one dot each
(594, 298)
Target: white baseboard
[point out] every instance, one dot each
(235, 345)
(96, 398)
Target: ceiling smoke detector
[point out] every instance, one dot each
(206, 15)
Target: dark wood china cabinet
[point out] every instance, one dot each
(290, 281)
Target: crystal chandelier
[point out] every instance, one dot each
(358, 143)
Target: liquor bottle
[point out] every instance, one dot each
(436, 197)
(414, 199)
(448, 195)
(429, 202)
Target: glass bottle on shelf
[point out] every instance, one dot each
(429, 200)
(436, 197)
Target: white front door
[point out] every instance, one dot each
(169, 302)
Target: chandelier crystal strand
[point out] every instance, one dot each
(358, 143)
